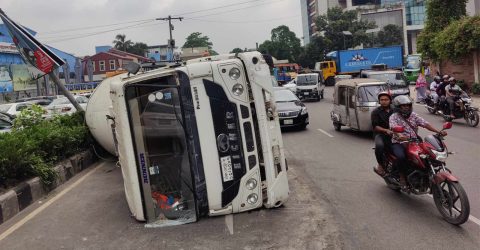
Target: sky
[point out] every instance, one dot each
(77, 26)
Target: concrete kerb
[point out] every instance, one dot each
(19, 197)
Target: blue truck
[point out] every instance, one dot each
(351, 62)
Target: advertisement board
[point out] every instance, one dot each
(22, 77)
(5, 79)
(356, 60)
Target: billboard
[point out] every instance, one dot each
(22, 77)
(39, 59)
(6, 84)
(356, 60)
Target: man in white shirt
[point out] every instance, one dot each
(433, 88)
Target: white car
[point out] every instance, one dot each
(291, 85)
(63, 106)
(14, 108)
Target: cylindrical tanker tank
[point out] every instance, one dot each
(98, 110)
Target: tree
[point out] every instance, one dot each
(336, 21)
(236, 50)
(197, 40)
(390, 35)
(439, 14)
(138, 48)
(121, 43)
(284, 44)
(314, 52)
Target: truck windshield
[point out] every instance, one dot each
(395, 79)
(305, 80)
(413, 62)
(160, 143)
(369, 93)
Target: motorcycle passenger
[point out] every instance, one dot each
(383, 135)
(441, 90)
(451, 90)
(433, 88)
(405, 117)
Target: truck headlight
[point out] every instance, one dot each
(251, 184)
(234, 73)
(237, 89)
(252, 199)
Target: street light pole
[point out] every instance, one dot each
(171, 43)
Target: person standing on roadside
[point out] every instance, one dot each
(421, 87)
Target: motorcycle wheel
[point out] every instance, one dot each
(430, 109)
(448, 207)
(472, 118)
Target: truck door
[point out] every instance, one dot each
(351, 107)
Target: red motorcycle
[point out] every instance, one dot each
(427, 174)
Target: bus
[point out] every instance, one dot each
(199, 139)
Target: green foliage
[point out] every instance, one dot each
(476, 88)
(138, 48)
(458, 39)
(236, 50)
(32, 150)
(314, 52)
(197, 40)
(439, 14)
(28, 117)
(283, 44)
(121, 42)
(336, 21)
(390, 35)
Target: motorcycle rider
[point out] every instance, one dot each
(451, 90)
(410, 121)
(433, 88)
(383, 135)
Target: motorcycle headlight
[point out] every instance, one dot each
(440, 156)
(304, 111)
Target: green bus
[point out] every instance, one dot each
(413, 67)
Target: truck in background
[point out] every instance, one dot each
(351, 62)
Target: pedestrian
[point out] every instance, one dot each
(421, 88)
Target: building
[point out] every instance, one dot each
(109, 61)
(408, 14)
(12, 62)
(160, 53)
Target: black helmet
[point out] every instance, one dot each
(403, 100)
(384, 93)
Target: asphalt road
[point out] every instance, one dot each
(371, 216)
(336, 202)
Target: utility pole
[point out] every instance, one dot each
(171, 42)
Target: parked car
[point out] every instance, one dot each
(291, 111)
(310, 86)
(6, 122)
(63, 106)
(395, 79)
(14, 108)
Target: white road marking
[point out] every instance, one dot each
(471, 217)
(325, 132)
(229, 222)
(46, 204)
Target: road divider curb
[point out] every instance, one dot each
(21, 196)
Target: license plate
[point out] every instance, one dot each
(306, 93)
(226, 168)
(288, 122)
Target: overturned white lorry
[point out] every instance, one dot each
(197, 139)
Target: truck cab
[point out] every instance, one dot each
(328, 69)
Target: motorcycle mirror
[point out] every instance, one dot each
(447, 125)
(398, 129)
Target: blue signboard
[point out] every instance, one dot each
(356, 60)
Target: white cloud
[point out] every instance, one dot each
(226, 31)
